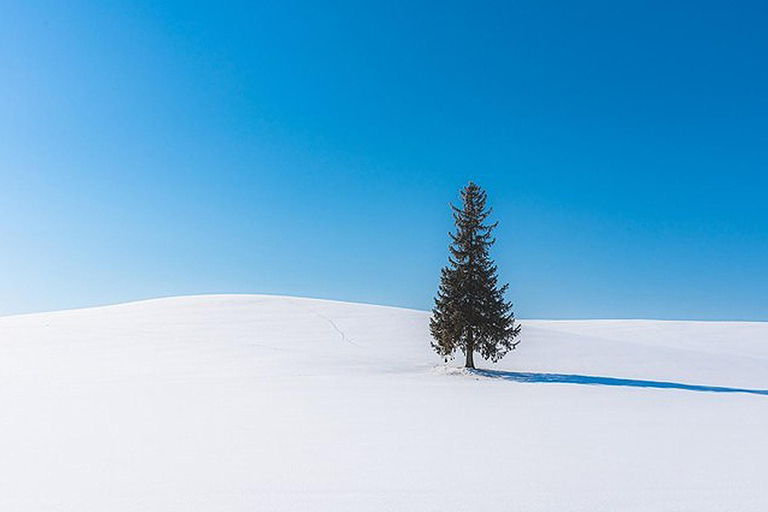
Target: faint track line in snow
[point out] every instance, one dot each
(330, 321)
(336, 328)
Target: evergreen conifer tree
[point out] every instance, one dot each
(470, 312)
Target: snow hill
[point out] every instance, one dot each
(246, 403)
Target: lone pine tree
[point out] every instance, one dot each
(470, 312)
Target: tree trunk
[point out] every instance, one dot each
(470, 359)
(470, 363)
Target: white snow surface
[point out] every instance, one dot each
(259, 403)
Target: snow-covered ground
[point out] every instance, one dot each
(235, 403)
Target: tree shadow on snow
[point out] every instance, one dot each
(589, 380)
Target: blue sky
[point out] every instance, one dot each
(161, 148)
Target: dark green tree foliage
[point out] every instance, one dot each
(470, 312)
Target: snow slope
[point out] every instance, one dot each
(235, 403)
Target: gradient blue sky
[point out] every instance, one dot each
(161, 148)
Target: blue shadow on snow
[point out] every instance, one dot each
(589, 380)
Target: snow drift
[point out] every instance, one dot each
(276, 403)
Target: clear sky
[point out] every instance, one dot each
(155, 148)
